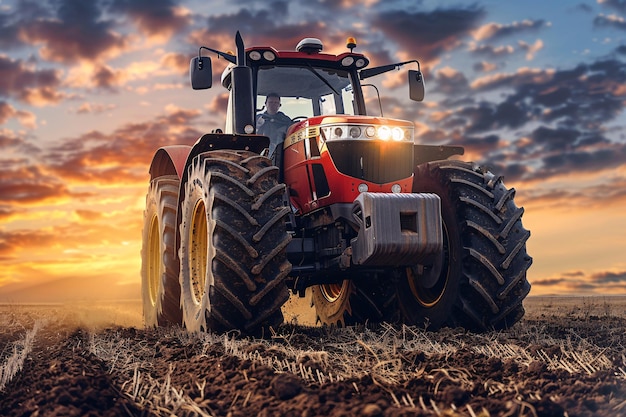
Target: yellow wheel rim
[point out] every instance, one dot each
(198, 245)
(154, 259)
(332, 292)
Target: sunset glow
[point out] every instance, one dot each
(90, 90)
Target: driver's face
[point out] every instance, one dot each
(272, 104)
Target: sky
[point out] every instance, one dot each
(534, 90)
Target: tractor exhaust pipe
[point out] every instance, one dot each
(243, 99)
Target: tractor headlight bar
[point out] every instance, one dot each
(256, 55)
(368, 132)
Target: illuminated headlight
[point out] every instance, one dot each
(384, 133)
(396, 188)
(397, 134)
(363, 187)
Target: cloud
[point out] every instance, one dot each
(12, 144)
(484, 66)
(158, 19)
(610, 21)
(77, 31)
(89, 215)
(619, 5)
(450, 81)
(491, 51)
(177, 62)
(94, 108)
(522, 76)
(269, 27)
(7, 111)
(13, 242)
(20, 81)
(588, 95)
(531, 50)
(603, 282)
(13, 19)
(428, 34)
(497, 31)
(609, 277)
(22, 183)
(99, 158)
(560, 117)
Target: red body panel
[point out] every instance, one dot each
(299, 161)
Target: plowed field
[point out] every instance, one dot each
(566, 358)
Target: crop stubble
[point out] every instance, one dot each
(566, 358)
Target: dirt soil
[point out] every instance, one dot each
(566, 358)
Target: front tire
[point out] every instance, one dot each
(160, 291)
(481, 281)
(233, 240)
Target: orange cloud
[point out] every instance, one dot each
(531, 50)
(26, 119)
(495, 30)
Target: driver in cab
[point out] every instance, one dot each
(273, 123)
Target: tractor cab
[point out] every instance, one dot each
(308, 81)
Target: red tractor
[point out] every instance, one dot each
(380, 228)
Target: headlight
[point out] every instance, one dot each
(397, 134)
(384, 133)
(367, 132)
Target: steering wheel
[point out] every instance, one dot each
(298, 119)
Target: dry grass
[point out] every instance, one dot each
(19, 351)
(389, 355)
(386, 354)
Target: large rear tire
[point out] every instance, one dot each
(160, 290)
(481, 281)
(233, 240)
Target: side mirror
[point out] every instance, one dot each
(200, 73)
(416, 85)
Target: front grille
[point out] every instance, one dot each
(372, 160)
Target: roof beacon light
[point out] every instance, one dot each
(351, 43)
(310, 46)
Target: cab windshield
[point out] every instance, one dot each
(306, 91)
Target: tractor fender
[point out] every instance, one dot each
(169, 160)
(173, 160)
